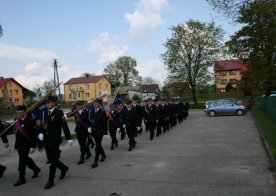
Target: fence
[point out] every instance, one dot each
(268, 105)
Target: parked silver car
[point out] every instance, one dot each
(225, 107)
(207, 104)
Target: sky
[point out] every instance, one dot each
(87, 35)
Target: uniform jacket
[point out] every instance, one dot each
(98, 121)
(28, 124)
(52, 125)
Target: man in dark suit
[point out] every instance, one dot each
(81, 117)
(25, 143)
(6, 145)
(121, 109)
(160, 117)
(113, 125)
(139, 115)
(131, 120)
(98, 128)
(52, 121)
(150, 117)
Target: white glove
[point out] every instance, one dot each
(70, 142)
(65, 116)
(138, 128)
(118, 129)
(32, 150)
(6, 145)
(124, 126)
(40, 136)
(89, 130)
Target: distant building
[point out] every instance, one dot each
(12, 91)
(179, 89)
(228, 71)
(142, 91)
(86, 88)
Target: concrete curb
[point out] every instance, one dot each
(265, 145)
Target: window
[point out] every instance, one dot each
(106, 86)
(16, 92)
(227, 103)
(87, 86)
(70, 96)
(233, 81)
(75, 96)
(217, 103)
(70, 87)
(16, 100)
(222, 73)
(223, 82)
(87, 95)
(79, 95)
(232, 72)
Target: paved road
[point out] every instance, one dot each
(201, 156)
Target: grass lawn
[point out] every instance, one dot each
(268, 128)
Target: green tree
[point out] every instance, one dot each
(191, 50)
(256, 43)
(229, 87)
(1, 31)
(122, 71)
(113, 74)
(229, 8)
(42, 90)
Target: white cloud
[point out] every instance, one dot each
(9, 52)
(108, 50)
(154, 69)
(146, 18)
(32, 67)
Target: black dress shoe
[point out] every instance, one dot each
(81, 161)
(116, 144)
(94, 165)
(87, 156)
(130, 148)
(36, 173)
(19, 182)
(134, 144)
(103, 159)
(112, 148)
(2, 171)
(49, 185)
(63, 173)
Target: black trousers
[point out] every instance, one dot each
(53, 154)
(25, 160)
(160, 124)
(131, 131)
(98, 137)
(112, 133)
(151, 126)
(2, 168)
(82, 139)
(123, 132)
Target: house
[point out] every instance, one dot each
(142, 91)
(86, 88)
(12, 91)
(228, 71)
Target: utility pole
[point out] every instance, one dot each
(56, 78)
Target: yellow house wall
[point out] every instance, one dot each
(227, 77)
(14, 91)
(94, 90)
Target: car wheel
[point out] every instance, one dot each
(239, 112)
(212, 113)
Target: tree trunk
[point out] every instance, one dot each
(194, 94)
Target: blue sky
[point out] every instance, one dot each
(86, 35)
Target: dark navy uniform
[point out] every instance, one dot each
(131, 126)
(5, 141)
(53, 121)
(98, 124)
(150, 118)
(113, 125)
(24, 142)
